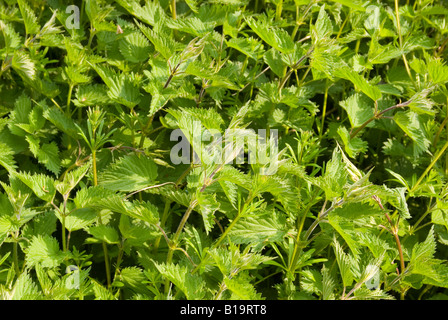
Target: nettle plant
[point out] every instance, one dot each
(349, 202)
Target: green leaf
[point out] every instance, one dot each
(412, 124)
(86, 197)
(260, 230)
(207, 207)
(275, 37)
(135, 233)
(191, 25)
(44, 250)
(61, 121)
(192, 285)
(23, 65)
(323, 24)
(352, 146)
(249, 46)
(353, 4)
(345, 263)
(328, 284)
(241, 289)
(335, 177)
(359, 109)
(129, 173)
(29, 18)
(135, 47)
(42, 185)
(274, 60)
(372, 91)
(87, 95)
(71, 179)
(124, 90)
(104, 233)
(47, 154)
(7, 158)
(145, 211)
(346, 220)
(12, 39)
(123, 87)
(163, 43)
(24, 289)
(134, 278)
(79, 219)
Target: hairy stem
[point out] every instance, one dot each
(394, 231)
(433, 162)
(95, 176)
(400, 39)
(106, 253)
(324, 109)
(173, 9)
(297, 248)
(15, 256)
(64, 239)
(166, 211)
(278, 13)
(172, 246)
(69, 99)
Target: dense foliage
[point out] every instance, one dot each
(93, 207)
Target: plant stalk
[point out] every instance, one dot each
(173, 244)
(173, 9)
(15, 257)
(69, 99)
(106, 253)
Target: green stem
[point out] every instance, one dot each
(278, 13)
(106, 253)
(69, 99)
(173, 9)
(400, 40)
(92, 34)
(436, 158)
(394, 231)
(107, 264)
(15, 257)
(95, 176)
(120, 257)
(297, 249)
(166, 211)
(64, 239)
(324, 111)
(436, 139)
(397, 15)
(422, 217)
(173, 244)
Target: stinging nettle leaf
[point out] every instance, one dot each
(47, 154)
(44, 250)
(42, 185)
(323, 24)
(104, 233)
(129, 173)
(372, 91)
(275, 37)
